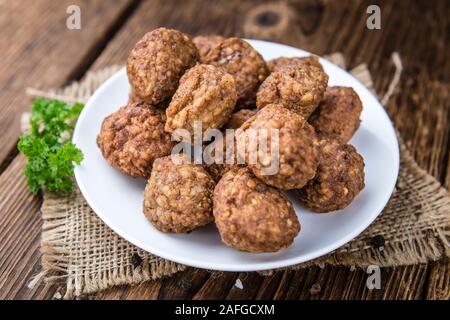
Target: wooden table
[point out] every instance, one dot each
(39, 51)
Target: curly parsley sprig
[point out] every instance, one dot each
(50, 154)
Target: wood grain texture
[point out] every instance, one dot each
(420, 109)
(438, 286)
(19, 219)
(38, 50)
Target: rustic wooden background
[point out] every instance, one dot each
(38, 50)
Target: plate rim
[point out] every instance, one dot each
(260, 266)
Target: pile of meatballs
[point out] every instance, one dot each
(225, 84)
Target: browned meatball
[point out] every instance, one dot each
(178, 196)
(244, 63)
(206, 43)
(337, 116)
(295, 160)
(216, 171)
(339, 178)
(252, 216)
(222, 164)
(133, 98)
(157, 62)
(133, 137)
(206, 95)
(282, 62)
(299, 88)
(225, 160)
(238, 118)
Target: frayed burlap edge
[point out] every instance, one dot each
(61, 263)
(84, 269)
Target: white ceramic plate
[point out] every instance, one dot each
(117, 198)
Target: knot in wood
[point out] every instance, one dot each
(267, 20)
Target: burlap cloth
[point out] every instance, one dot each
(80, 252)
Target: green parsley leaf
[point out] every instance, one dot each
(50, 154)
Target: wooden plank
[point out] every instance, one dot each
(40, 51)
(438, 287)
(217, 286)
(147, 291)
(251, 284)
(183, 285)
(321, 27)
(403, 283)
(20, 225)
(269, 286)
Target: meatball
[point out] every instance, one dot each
(244, 63)
(206, 95)
(133, 137)
(237, 119)
(252, 216)
(337, 116)
(157, 62)
(339, 178)
(133, 98)
(288, 164)
(216, 171)
(178, 196)
(224, 161)
(206, 43)
(299, 88)
(222, 164)
(282, 62)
